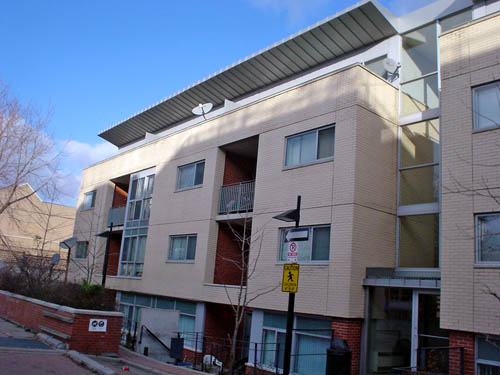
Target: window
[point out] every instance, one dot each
(488, 238)
(311, 338)
(273, 340)
(419, 66)
(131, 305)
(486, 105)
(488, 356)
(316, 248)
(182, 247)
(81, 249)
(190, 175)
(315, 145)
(88, 200)
(136, 224)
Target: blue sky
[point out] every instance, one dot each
(94, 63)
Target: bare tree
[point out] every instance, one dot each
(248, 240)
(32, 232)
(87, 230)
(26, 150)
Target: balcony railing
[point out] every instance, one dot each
(116, 216)
(236, 198)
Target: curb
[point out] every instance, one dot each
(90, 363)
(51, 341)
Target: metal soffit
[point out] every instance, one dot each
(327, 40)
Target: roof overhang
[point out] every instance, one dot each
(354, 28)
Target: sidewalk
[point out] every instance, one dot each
(21, 353)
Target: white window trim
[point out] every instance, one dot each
(171, 238)
(309, 262)
(195, 163)
(317, 130)
(477, 240)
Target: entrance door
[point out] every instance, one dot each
(430, 341)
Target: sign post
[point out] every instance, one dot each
(290, 280)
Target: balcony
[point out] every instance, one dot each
(236, 198)
(116, 216)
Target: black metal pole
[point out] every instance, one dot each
(106, 254)
(289, 317)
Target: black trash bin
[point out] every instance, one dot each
(338, 358)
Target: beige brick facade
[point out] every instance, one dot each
(470, 177)
(354, 193)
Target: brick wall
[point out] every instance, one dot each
(114, 254)
(228, 257)
(350, 330)
(120, 196)
(238, 169)
(66, 324)
(463, 340)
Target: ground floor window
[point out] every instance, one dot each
(488, 356)
(131, 305)
(311, 338)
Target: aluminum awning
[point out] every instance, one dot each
(354, 28)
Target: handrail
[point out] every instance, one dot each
(154, 336)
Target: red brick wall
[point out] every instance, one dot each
(465, 340)
(238, 169)
(30, 314)
(119, 197)
(228, 253)
(114, 254)
(350, 330)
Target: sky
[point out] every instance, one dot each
(94, 63)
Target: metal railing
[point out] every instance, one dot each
(116, 216)
(237, 197)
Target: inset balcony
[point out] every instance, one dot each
(116, 215)
(236, 198)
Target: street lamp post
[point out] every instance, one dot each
(289, 216)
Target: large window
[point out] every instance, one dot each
(182, 248)
(311, 338)
(488, 238)
(316, 248)
(419, 66)
(88, 200)
(311, 146)
(486, 105)
(81, 249)
(418, 210)
(488, 356)
(136, 224)
(273, 340)
(190, 175)
(131, 305)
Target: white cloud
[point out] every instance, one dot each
(75, 156)
(296, 10)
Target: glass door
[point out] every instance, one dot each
(431, 342)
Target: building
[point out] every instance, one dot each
(388, 128)
(34, 228)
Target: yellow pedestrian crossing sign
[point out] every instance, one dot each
(290, 282)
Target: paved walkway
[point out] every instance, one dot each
(22, 354)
